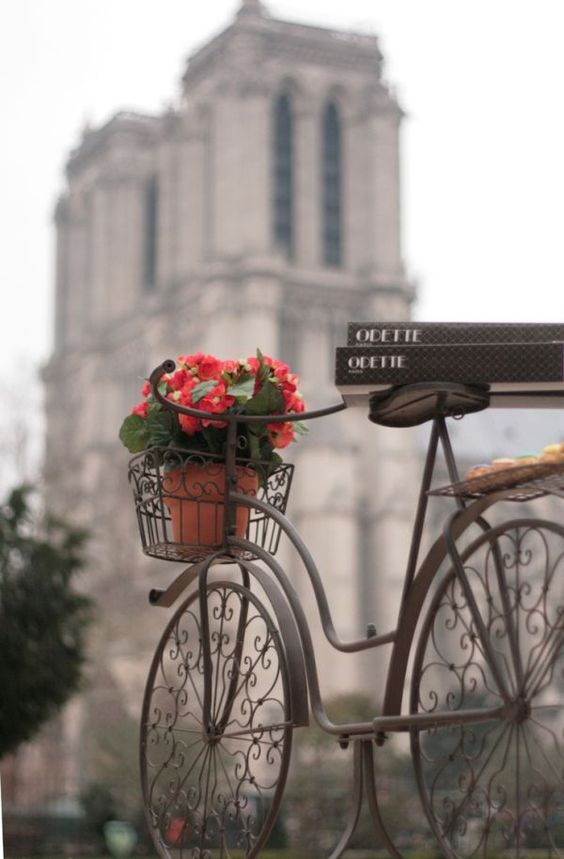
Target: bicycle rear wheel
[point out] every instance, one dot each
(496, 787)
(212, 783)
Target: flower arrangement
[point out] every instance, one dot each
(256, 386)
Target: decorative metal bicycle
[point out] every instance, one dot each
(481, 618)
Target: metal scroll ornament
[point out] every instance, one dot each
(180, 502)
(490, 786)
(216, 732)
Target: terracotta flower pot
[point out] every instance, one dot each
(194, 494)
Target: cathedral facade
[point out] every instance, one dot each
(262, 211)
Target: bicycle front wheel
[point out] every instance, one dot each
(496, 787)
(216, 732)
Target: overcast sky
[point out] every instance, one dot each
(483, 141)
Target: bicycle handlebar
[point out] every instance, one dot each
(169, 366)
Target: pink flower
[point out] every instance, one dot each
(146, 389)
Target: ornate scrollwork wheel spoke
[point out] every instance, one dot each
(213, 789)
(495, 787)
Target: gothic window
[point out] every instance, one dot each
(331, 186)
(283, 227)
(150, 238)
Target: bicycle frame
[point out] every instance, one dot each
(297, 633)
(256, 564)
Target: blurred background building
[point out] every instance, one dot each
(263, 210)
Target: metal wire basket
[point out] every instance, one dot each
(180, 501)
(525, 481)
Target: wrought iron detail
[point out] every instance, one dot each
(525, 482)
(216, 728)
(497, 785)
(486, 716)
(181, 505)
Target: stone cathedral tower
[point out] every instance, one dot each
(264, 210)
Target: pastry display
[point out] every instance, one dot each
(526, 459)
(502, 462)
(551, 453)
(519, 478)
(478, 470)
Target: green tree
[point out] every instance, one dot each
(43, 620)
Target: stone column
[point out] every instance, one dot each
(191, 195)
(168, 230)
(126, 280)
(99, 250)
(76, 288)
(254, 169)
(358, 181)
(385, 190)
(240, 149)
(61, 274)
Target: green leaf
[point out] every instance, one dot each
(161, 426)
(243, 389)
(266, 449)
(301, 428)
(134, 433)
(268, 401)
(215, 438)
(254, 435)
(200, 391)
(264, 370)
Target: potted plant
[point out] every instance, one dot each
(189, 452)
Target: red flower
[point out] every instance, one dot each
(189, 424)
(209, 368)
(216, 401)
(141, 410)
(186, 391)
(231, 367)
(221, 376)
(253, 364)
(178, 379)
(281, 435)
(281, 371)
(293, 403)
(189, 361)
